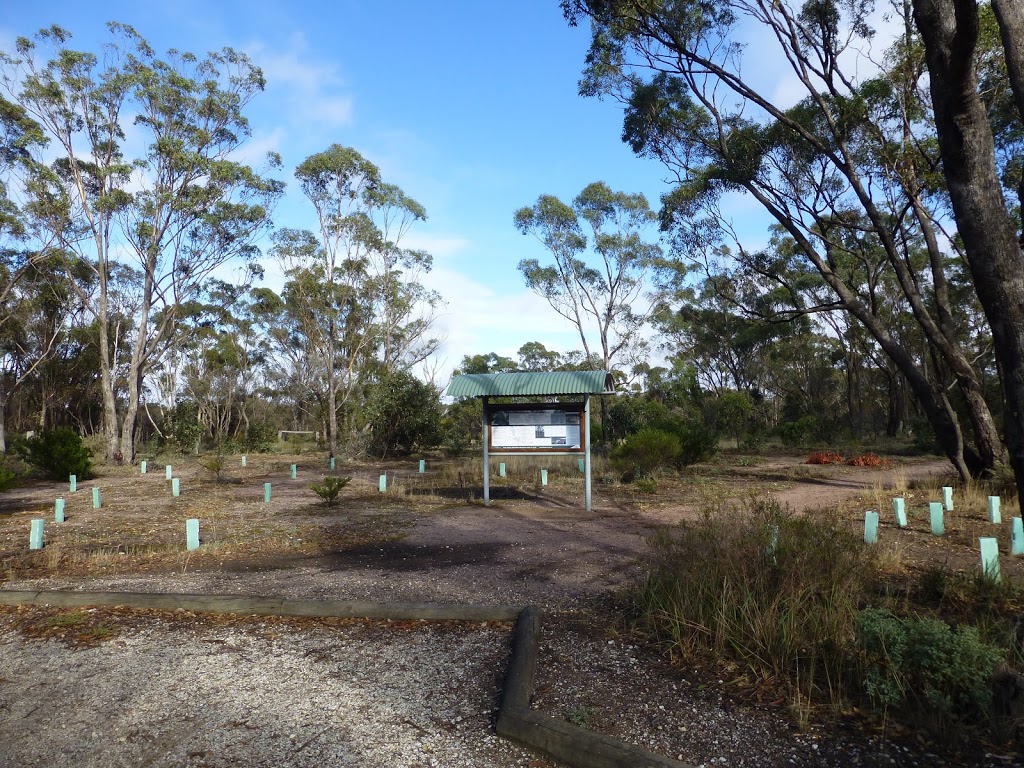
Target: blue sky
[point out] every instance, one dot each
(470, 107)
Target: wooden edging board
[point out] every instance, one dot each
(561, 740)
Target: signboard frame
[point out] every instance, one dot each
(574, 414)
(584, 449)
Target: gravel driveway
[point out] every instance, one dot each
(184, 690)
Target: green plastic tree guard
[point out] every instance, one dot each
(900, 506)
(1017, 547)
(501, 470)
(58, 511)
(938, 523)
(245, 461)
(192, 534)
(96, 500)
(73, 483)
(870, 527)
(994, 514)
(947, 498)
(176, 486)
(266, 493)
(423, 466)
(35, 537)
(142, 467)
(168, 472)
(383, 483)
(543, 477)
(990, 557)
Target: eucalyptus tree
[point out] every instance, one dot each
(848, 172)
(976, 174)
(352, 301)
(167, 195)
(601, 251)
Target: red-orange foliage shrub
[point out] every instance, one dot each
(868, 460)
(825, 457)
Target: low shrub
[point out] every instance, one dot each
(330, 488)
(777, 593)
(867, 460)
(644, 453)
(932, 674)
(825, 457)
(58, 453)
(9, 476)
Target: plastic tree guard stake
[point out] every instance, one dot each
(423, 466)
(773, 541)
(96, 502)
(176, 486)
(582, 464)
(142, 467)
(1017, 547)
(192, 534)
(900, 506)
(266, 493)
(990, 558)
(35, 537)
(947, 498)
(73, 483)
(543, 477)
(245, 462)
(870, 527)
(168, 472)
(501, 469)
(58, 511)
(938, 524)
(383, 483)
(994, 515)
(294, 471)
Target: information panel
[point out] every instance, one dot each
(537, 429)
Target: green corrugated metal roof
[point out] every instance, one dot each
(530, 384)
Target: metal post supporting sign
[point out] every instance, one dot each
(586, 441)
(487, 456)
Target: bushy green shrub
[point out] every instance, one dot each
(330, 488)
(9, 476)
(59, 453)
(403, 413)
(642, 454)
(697, 442)
(799, 433)
(261, 437)
(933, 673)
(180, 428)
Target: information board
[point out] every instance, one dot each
(536, 429)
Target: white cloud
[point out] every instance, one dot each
(310, 88)
(498, 318)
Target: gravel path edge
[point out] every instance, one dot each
(556, 738)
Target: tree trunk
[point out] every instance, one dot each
(107, 379)
(949, 30)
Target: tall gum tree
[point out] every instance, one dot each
(844, 171)
(596, 279)
(179, 206)
(352, 302)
